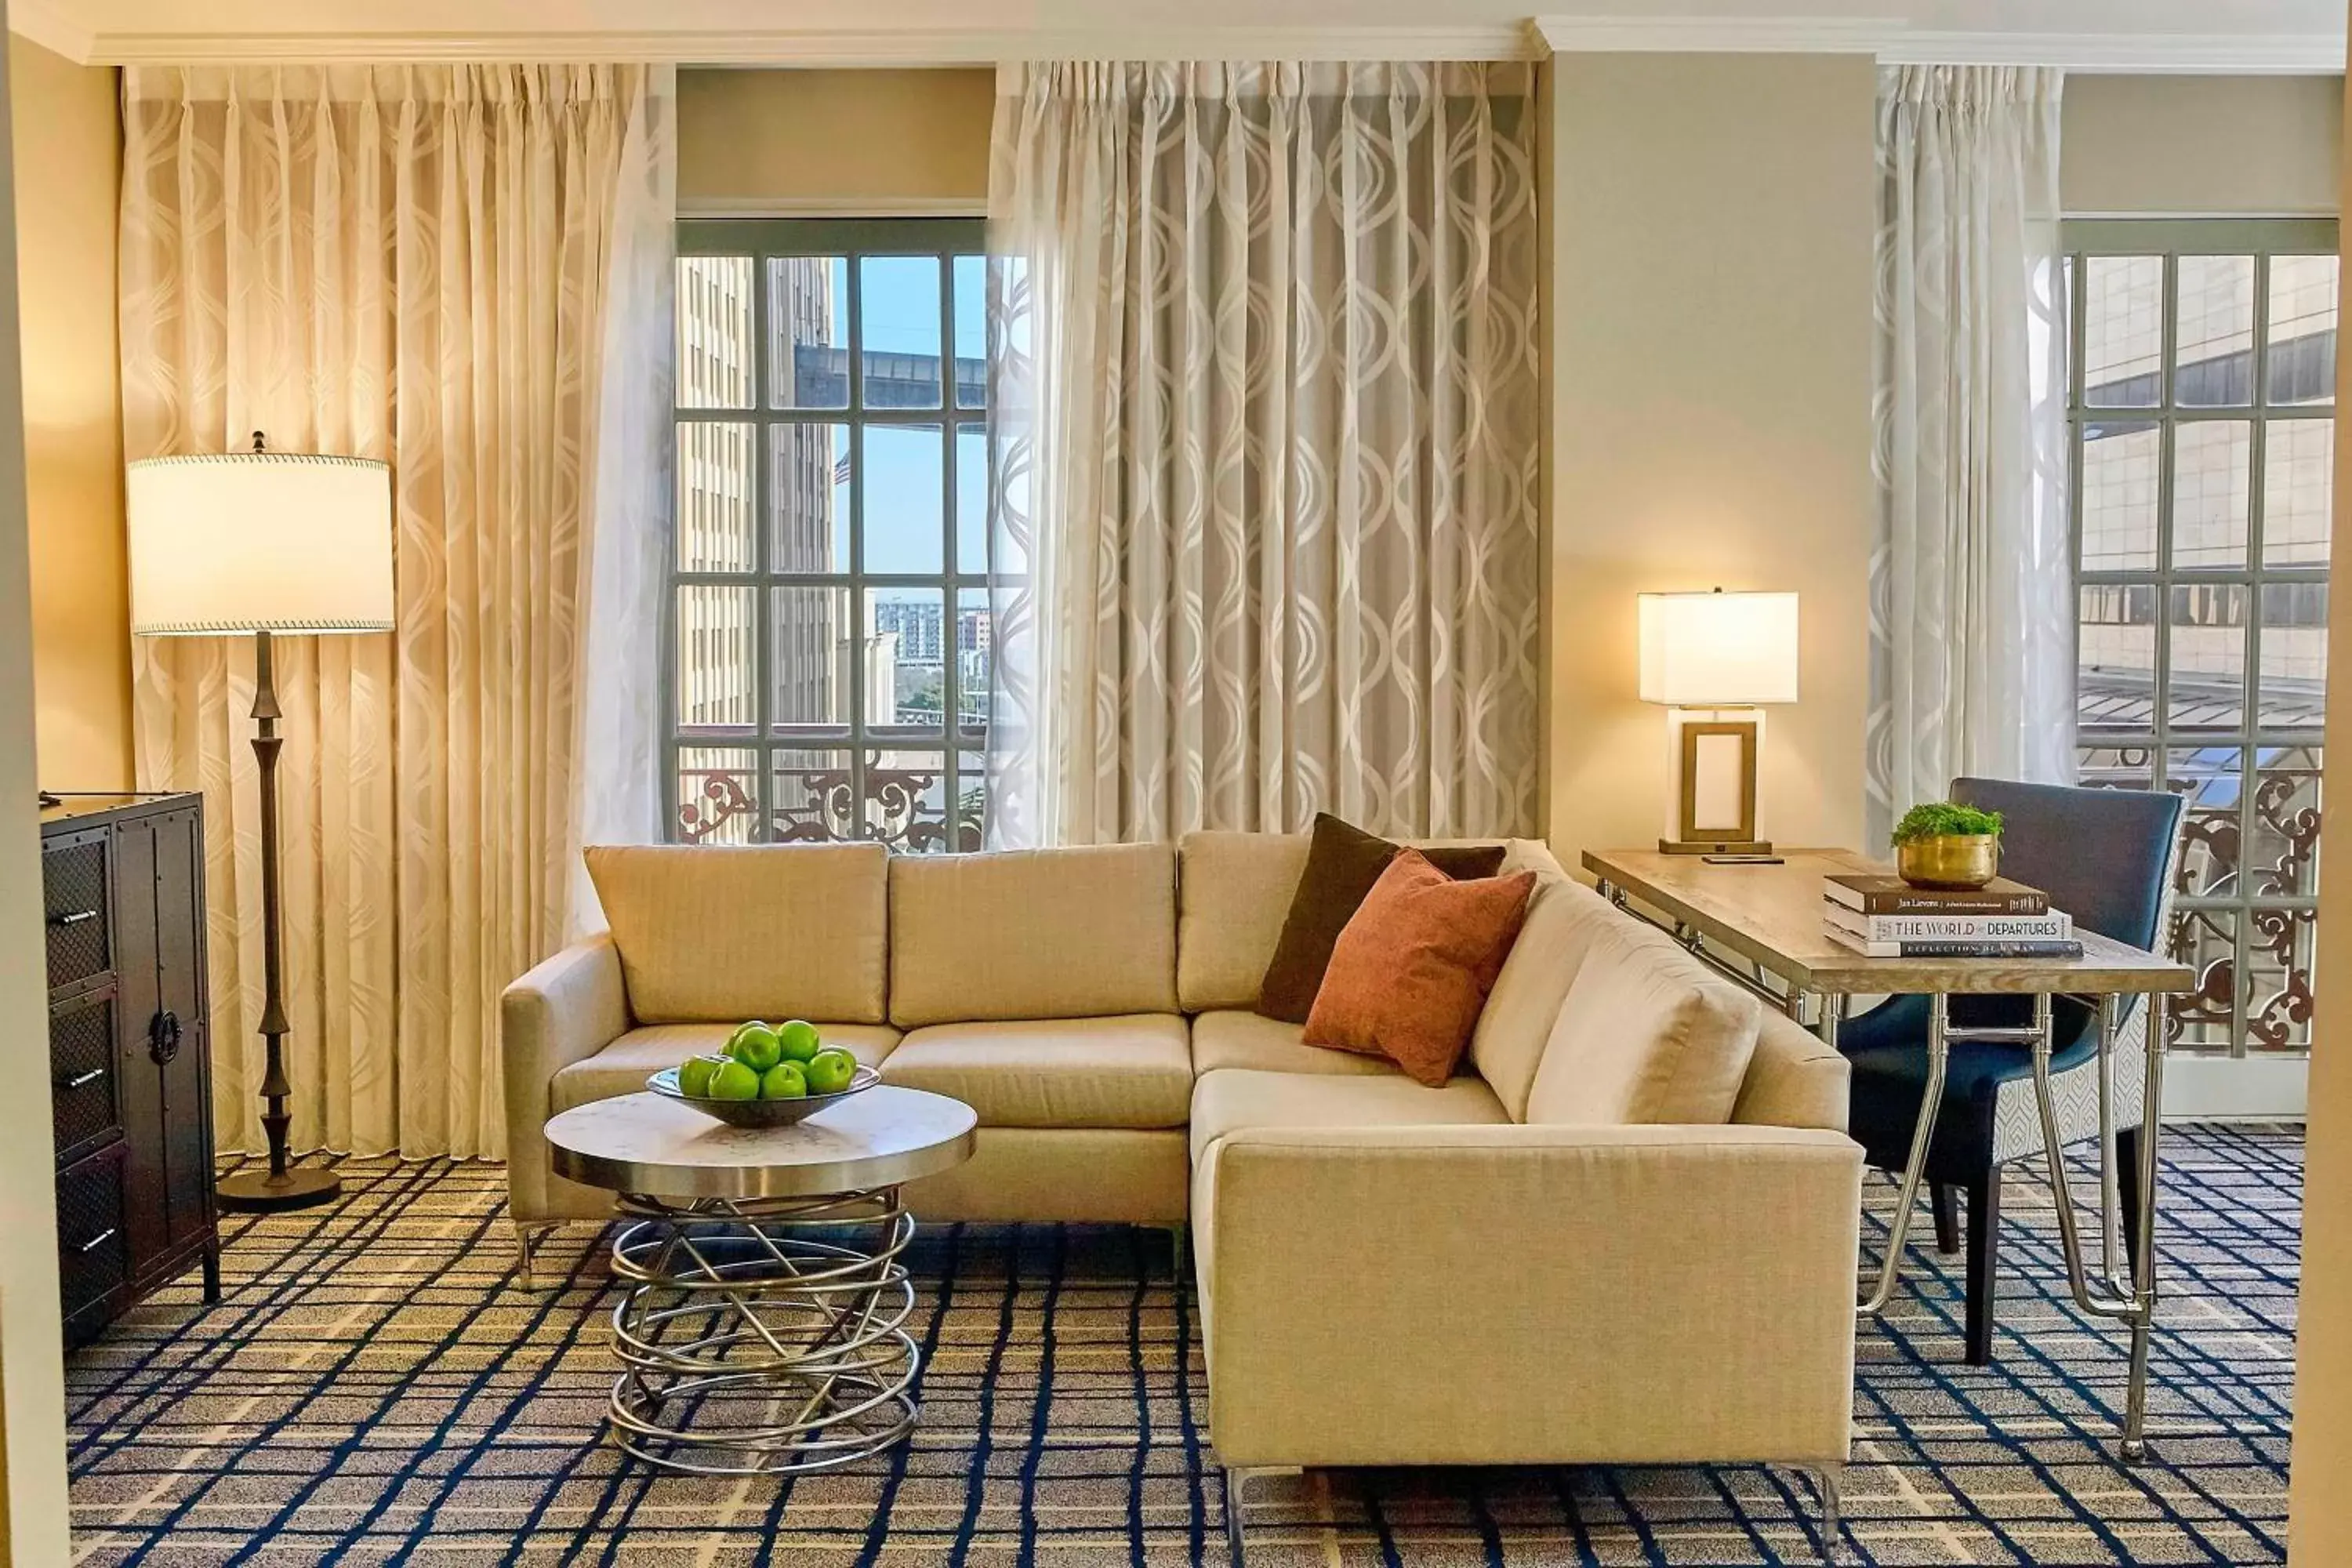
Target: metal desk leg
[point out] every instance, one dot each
(1931, 1103)
(2144, 1295)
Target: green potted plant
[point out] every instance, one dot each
(1939, 843)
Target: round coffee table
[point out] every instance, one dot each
(763, 1330)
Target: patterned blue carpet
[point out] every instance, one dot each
(370, 1391)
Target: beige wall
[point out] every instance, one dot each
(2189, 145)
(32, 1363)
(2319, 1526)
(1712, 225)
(870, 143)
(67, 127)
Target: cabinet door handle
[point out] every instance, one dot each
(84, 1080)
(101, 1239)
(78, 917)
(163, 1037)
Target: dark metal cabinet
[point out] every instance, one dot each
(129, 1058)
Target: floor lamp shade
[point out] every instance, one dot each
(1713, 659)
(266, 544)
(251, 541)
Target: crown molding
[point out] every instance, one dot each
(41, 22)
(830, 47)
(1896, 41)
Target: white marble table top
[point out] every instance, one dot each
(646, 1143)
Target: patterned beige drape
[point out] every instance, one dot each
(463, 270)
(1264, 346)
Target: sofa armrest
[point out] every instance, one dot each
(565, 1010)
(1528, 1294)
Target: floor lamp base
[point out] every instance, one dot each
(258, 1192)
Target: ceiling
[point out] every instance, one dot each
(2113, 35)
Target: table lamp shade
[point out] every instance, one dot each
(1719, 650)
(247, 542)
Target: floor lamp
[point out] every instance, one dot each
(272, 543)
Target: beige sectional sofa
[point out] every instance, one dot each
(1526, 1265)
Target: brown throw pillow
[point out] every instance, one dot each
(1342, 863)
(1410, 973)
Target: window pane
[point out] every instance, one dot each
(975, 642)
(2115, 680)
(2213, 358)
(972, 331)
(2282, 840)
(2212, 782)
(2113, 767)
(2207, 670)
(808, 323)
(810, 790)
(2293, 687)
(714, 496)
(905, 499)
(2298, 484)
(2123, 331)
(906, 800)
(2210, 460)
(898, 330)
(714, 331)
(2279, 954)
(971, 801)
(808, 486)
(905, 679)
(2205, 1021)
(2301, 336)
(812, 657)
(971, 498)
(718, 636)
(718, 795)
(2119, 495)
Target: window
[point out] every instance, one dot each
(829, 633)
(2203, 408)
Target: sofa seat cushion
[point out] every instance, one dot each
(1254, 1042)
(1232, 1100)
(622, 1067)
(1130, 1070)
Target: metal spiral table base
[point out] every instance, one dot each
(764, 1336)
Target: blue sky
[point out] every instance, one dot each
(902, 468)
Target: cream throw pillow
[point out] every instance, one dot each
(1646, 1033)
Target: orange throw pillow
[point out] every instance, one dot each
(1411, 972)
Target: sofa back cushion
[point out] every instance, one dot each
(1233, 893)
(1646, 1033)
(715, 933)
(1032, 933)
(1562, 921)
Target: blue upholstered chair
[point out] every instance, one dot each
(2105, 857)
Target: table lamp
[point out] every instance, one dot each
(271, 543)
(1713, 659)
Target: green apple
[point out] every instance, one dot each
(800, 1040)
(756, 1046)
(733, 1080)
(694, 1075)
(830, 1070)
(783, 1081)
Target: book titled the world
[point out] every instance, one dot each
(1882, 893)
(2055, 926)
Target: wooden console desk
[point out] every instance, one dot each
(1768, 918)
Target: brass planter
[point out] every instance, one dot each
(1949, 860)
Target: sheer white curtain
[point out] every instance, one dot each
(1972, 624)
(1265, 449)
(463, 270)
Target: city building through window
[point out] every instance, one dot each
(829, 630)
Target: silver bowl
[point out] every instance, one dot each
(761, 1112)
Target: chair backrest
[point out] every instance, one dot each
(2102, 855)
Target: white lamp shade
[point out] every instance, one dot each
(1719, 650)
(246, 542)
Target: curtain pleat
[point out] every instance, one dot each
(1971, 613)
(423, 264)
(1264, 525)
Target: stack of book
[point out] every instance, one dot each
(1885, 917)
